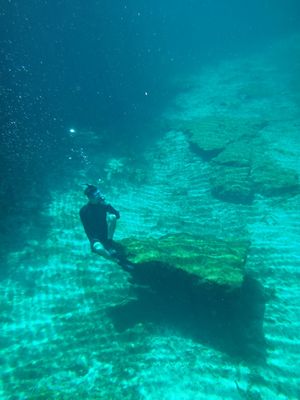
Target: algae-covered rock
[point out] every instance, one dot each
(208, 260)
(239, 169)
(239, 184)
(270, 179)
(237, 154)
(232, 184)
(210, 135)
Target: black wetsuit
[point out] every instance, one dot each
(93, 218)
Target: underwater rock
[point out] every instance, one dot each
(238, 184)
(206, 260)
(230, 179)
(270, 179)
(237, 154)
(210, 135)
(239, 169)
(232, 184)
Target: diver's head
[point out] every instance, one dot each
(93, 194)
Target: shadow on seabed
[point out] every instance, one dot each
(230, 321)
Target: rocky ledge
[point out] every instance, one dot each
(206, 260)
(235, 150)
(198, 286)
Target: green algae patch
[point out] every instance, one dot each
(208, 260)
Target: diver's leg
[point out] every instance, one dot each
(111, 225)
(98, 248)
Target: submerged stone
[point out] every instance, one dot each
(270, 179)
(239, 184)
(207, 260)
(210, 135)
(239, 167)
(232, 184)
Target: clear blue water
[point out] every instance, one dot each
(65, 63)
(106, 89)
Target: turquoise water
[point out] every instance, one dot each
(77, 326)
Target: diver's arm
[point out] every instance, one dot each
(111, 210)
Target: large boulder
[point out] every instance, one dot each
(203, 259)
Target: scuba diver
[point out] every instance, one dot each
(99, 221)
